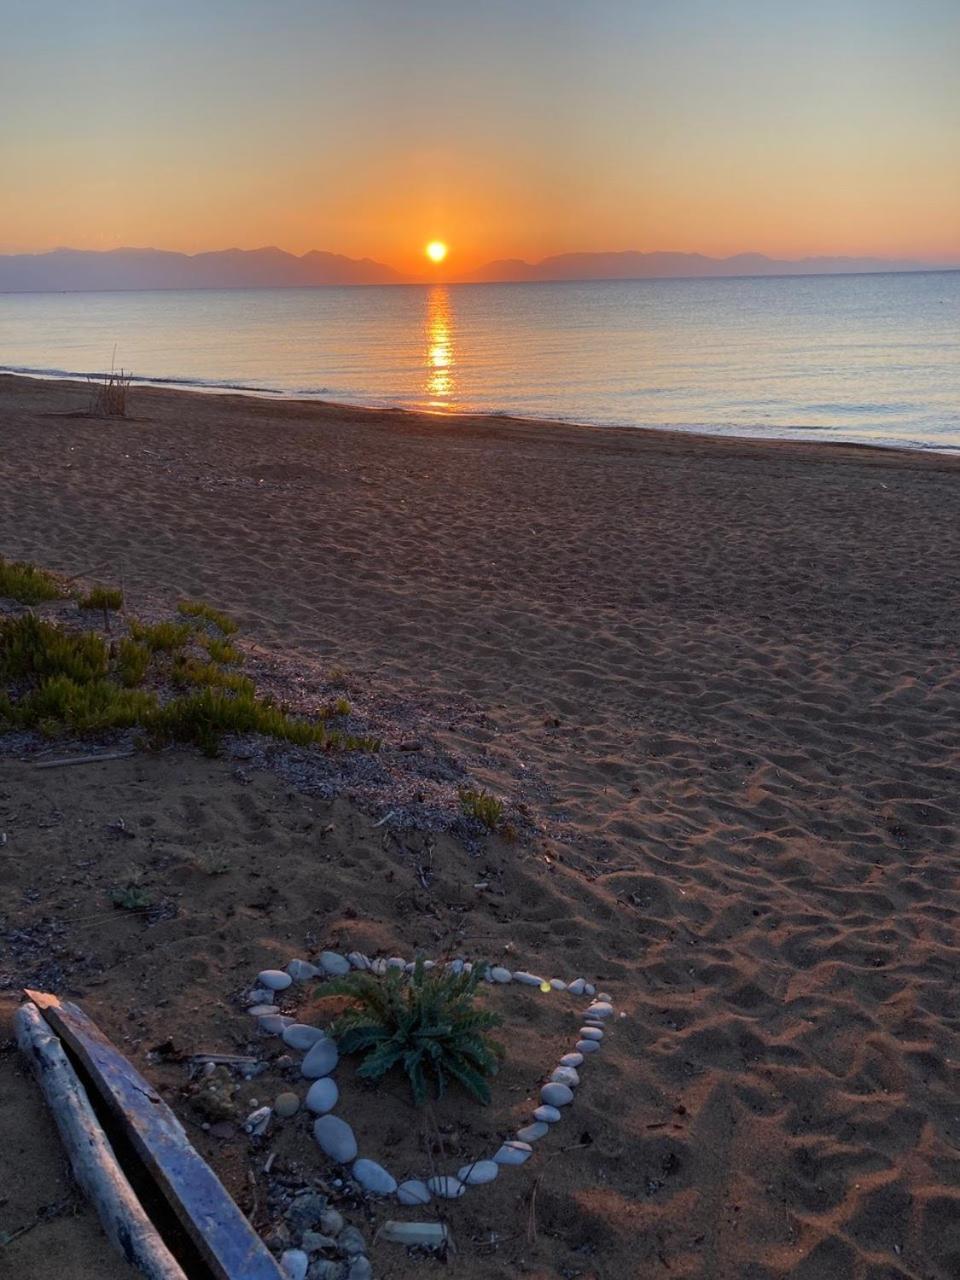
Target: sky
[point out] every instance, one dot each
(507, 128)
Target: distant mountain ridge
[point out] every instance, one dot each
(80, 270)
(633, 265)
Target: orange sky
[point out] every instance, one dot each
(509, 130)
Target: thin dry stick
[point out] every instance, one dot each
(532, 1212)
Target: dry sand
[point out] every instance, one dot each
(723, 677)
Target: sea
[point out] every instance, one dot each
(864, 358)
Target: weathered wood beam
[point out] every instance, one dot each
(91, 1157)
(222, 1235)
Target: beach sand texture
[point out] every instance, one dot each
(725, 677)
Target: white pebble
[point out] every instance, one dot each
(322, 1096)
(257, 1121)
(571, 1060)
(588, 1046)
(577, 987)
(358, 960)
(533, 1132)
(274, 979)
(413, 1192)
(299, 1036)
(273, 1024)
(591, 1033)
(558, 984)
(499, 974)
(527, 979)
(589, 989)
(334, 964)
(481, 1171)
(263, 1010)
(321, 1059)
(606, 996)
(514, 1153)
(549, 1115)
(565, 1075)
(555, 1094)
(372, 1176)
(335, 1137)
(396, 962)
(294, 1263)
(446, 1187)
(599, 1009)
(302, 970)
(378, 966)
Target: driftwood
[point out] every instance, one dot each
(223, 1237)
(92, 1159)
(94, 759)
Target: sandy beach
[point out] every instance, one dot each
(719, 680)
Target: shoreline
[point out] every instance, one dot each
(282, 398)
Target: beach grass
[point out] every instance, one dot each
(480, 804)
(27, 584)
(199, 609)
(102, 598)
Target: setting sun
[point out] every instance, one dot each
(436, 251)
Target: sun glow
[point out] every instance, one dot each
(436, 251)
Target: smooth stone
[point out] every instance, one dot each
(577, 987)
(334, 964)
(589, 989)
(413, 1192)
(587, 1046)
(527, 979)
(335, 1138)
(514, 1153)
(379, 967)
(299, 1036)
(274, 979)
(331, 1222)
(294, 1263)
(263, 1010)
(372, 1176)
(286, 1105)
(475, 1175)
(499, 974)
(591, 1033)
(455, 966)
(558, 984)
(358, 960)
(321, 1059)
(259, 995)
(322, 1096)
(571, 1060)
(556, 1094)
(396, 962)
(350, 1241)
(605, 996)
(314, 1241)
(302, 970)
(565, 1075)
(548, 1115)
(257, 1121)
(533, 1132)
(273, 1024)
(360, 1268)
(446, 1187)
(600, 1009)
(327, 1269)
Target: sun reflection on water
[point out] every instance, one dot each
(440, 381)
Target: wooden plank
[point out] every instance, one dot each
(223, 1236)
(92, 1158)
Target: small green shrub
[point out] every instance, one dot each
(30, 646)
(84, 707)
(222, 651)
(26, 583)
(102, 598)
(428, 1026)
(198, 609)
(188, 671)
(130, 897)
(133, 661)
(161, 637)
(481, 805)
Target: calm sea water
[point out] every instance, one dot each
(869, 358)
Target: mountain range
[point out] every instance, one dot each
(79, 270)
